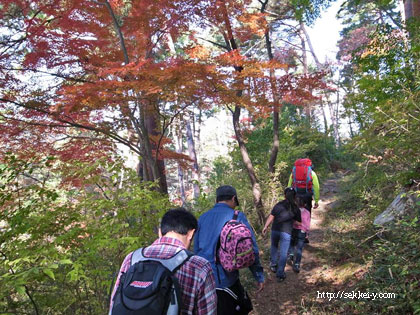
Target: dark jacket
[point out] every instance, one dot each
(284, 217)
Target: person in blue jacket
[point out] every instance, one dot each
(231, 296)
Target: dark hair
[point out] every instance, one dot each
(300, 202)
(290, 195)
(179, 221)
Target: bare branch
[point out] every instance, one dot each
(167, 126)
(103, 191)
(48, 73)
(117, 28)
(72, 123)
(311, 48)
(214, 43)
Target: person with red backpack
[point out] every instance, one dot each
(225, 238)
(305, 181)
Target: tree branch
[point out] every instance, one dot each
(167, 126)
(214, 43)
(103, 191)
(49, 73)
(117, 28)
(311, 48)
(25, 286)
(72, 123)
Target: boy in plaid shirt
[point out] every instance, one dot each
(195, 277)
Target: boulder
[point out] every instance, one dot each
(404, 202)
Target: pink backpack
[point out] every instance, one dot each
(235, 250)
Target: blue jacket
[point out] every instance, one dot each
(210, 225)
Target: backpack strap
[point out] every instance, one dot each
(171, 264)
(137, 256)
(308, 176)
(235, 215)
(294, 184)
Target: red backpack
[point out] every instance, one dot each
(302, 174)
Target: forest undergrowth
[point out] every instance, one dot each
(367, 262)
(120, 92)
(350, 266)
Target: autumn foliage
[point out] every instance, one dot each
(78, 75)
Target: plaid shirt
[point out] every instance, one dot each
(195, 277)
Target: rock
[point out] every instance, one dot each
(398, 208)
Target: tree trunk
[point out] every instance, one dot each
(311, 48)
(256, 189)
(305, 67)
(324, 116)
(157, 164)
(153, 128)
(179, 149)
(193, 155)
(333, 114)
(152, 167)
(197, 128)
(145, 165)
(276, 141)
(412, 9)
(412, 16)
(336, 118)
(350, 125)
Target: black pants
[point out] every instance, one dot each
(233, 300)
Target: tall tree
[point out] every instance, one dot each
(109, 72)
(101, 73)
(286, 18)
(251, 88)
(180, 148)
(193, 155)
(231, 45)
(362, 21)
(276, 142)
(412, 9)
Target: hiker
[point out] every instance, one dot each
(192, 273)
(300, 229)
(305, 181)
(282, 216)
(231, 296)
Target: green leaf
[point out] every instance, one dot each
(49, 273)
(21, 290)
(65, 262)
(73, 275)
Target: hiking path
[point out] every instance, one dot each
(289, 297)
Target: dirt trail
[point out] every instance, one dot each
(287, 297)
